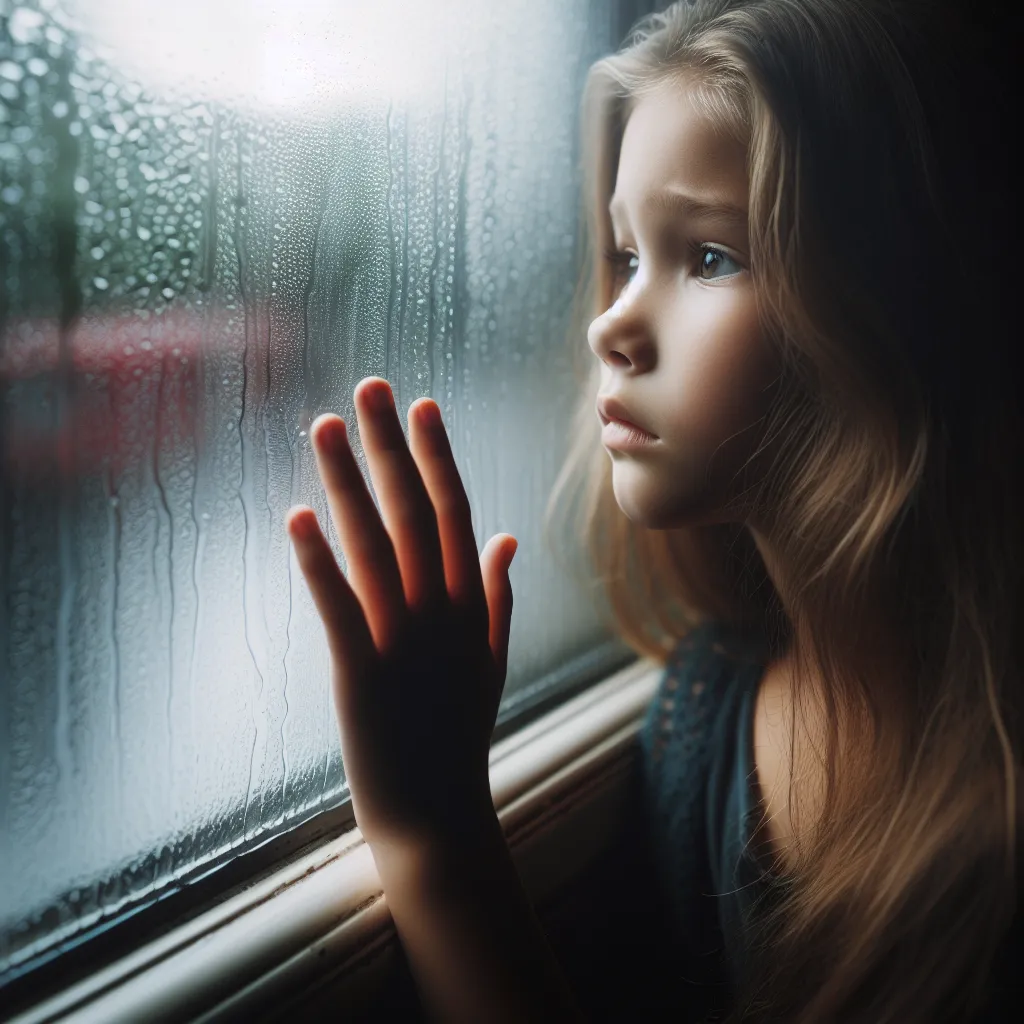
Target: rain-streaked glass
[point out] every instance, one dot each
(216, 218)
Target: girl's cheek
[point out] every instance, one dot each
(722, 365)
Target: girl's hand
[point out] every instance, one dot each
(418, 633)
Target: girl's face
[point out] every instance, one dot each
(681, 348)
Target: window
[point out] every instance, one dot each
(215, 218)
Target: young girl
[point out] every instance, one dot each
(804, 498)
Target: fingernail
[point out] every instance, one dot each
(379, 398)
(299, 527)
(333, 435)
(429, 414)
(515, 548)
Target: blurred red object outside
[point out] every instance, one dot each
(130, 386)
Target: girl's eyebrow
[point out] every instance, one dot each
(679, 203)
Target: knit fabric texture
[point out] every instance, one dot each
(699, 786)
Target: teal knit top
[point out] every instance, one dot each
(699, 785)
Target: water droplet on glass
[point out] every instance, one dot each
(11, 71)
(24, 25)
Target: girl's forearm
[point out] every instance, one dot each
(473, 941)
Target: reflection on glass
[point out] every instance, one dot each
(214, 220)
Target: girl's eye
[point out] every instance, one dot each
(715, 263)
(624, 266)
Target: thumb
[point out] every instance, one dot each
(494, 565)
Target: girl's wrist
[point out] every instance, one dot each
(468, 928)
(434, 855)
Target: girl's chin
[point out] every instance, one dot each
(643, 508)
(646, 505)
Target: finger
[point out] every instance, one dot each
(433, 453)
(348, 635)
(495, 561)
(372, 568)
(405, 505)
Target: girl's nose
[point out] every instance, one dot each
(619, 337)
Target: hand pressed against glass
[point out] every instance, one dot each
(418, 633)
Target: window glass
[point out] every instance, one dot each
(215, 218)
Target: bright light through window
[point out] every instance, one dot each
(282, 53)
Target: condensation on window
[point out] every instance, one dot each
(215, 219)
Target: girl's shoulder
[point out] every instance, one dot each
(696, 766)
(707, 677)
(700, 738)
(697, 761)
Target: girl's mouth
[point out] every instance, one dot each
(621, 435)
(619, 431)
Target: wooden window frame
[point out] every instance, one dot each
(559, 786)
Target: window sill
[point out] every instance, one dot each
(328, 908)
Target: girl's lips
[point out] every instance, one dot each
(619, 435)
(612, 412)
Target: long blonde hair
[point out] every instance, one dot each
(894, 491)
